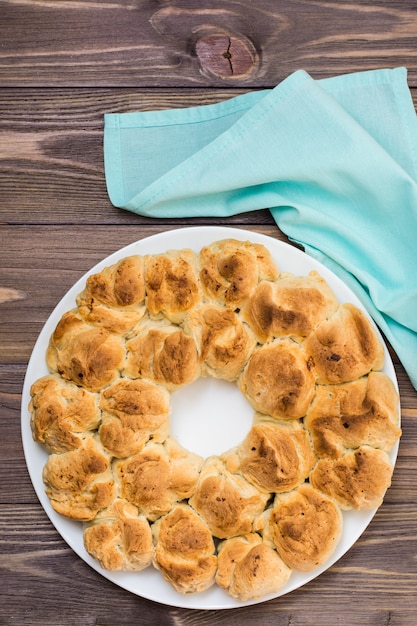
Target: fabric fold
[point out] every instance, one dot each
(333, 160)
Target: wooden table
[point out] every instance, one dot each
(63, 64)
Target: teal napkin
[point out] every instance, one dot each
(334, 160)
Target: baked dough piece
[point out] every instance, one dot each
(185, 551)
(119, 285)
(304, 525)
(115, 297)
(345, 416)
(158, 477)
(358, 480)
(275, 457)
(172, 284)
(230, 269)
(120, 538)
(79, 483)
(292, 306)
(88, 356)
(249, 569)
(344, 347)
(278, 380)
(226, 501)
(163, 353)
(62, 413)
(224, 342)
(134, 412)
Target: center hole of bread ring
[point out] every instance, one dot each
(210, 416)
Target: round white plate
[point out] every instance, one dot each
(206, 437)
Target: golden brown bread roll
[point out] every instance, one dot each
(230, 269)
(79, 483)
(357, 480)
(364, 411)
(304, 525)
(172, 284)
(278, 380)
(224, 343)
(115, 297)
(135, 411)
(158, 477)
(88, 356)
(226, 501)
(120, 538)
(163, 353)
(184, 550)
(292, 306)
(249, 569)
(275, 457)
(62, 413)
(344, 347)
(119, 285)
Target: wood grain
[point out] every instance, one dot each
(63, 65)
(151, 43)
(43, 153)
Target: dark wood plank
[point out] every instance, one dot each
(149, 43)
(33, 284)
(51, 161)
(39, 263)
(54, 571)
(43, 154)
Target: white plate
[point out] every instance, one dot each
(149, 583)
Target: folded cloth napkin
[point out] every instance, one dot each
(334, 160)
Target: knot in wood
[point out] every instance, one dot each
(226, 56)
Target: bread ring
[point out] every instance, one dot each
(325, 416)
